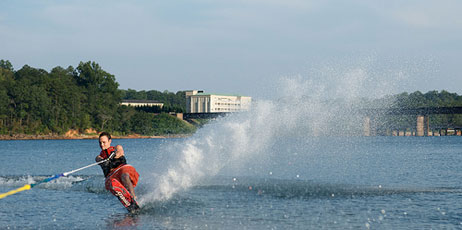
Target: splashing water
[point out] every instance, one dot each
(302, 110)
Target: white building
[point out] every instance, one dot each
(200, 102)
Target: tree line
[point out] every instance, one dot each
(34, 101)
(431, 99)
(173, 102)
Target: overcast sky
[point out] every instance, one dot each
(242, 46)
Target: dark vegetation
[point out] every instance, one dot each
(173, 102)
(34, 101)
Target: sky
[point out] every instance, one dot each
(242, 46)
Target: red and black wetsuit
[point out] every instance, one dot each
(113, 171)
(112, 164)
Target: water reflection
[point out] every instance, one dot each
(123, 221)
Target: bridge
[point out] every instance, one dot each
(414, 111)
(422, 127)
(422, 120)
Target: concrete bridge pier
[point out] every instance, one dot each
(367, 126)
(420, 126)
(423, 126)
(370, 126)
(428, 131)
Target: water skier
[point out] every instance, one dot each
(121, 178)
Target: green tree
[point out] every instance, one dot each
(165, 124)
(66, 99)
(5, 64)
(173, 102)
(29, 100)
(102, 96)
(142, 123)
(6, 80)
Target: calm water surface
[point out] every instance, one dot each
(299, 183)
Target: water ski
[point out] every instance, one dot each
(124, 197)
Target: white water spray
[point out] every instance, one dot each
(302, 110)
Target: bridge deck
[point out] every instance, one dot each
(415, 111)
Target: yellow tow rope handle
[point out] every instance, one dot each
(25, 187)
(29, 186)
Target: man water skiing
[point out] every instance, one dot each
(121, 178)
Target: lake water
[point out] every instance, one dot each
(204, 182)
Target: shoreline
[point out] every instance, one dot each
(81, 137)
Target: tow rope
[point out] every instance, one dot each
(29, 186)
